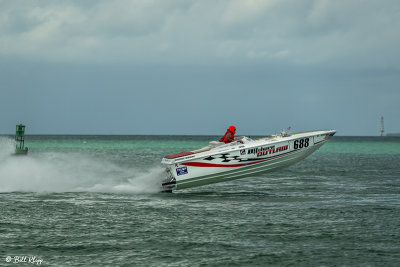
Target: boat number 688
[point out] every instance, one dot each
(300, 143)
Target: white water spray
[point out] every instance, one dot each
(71, 172)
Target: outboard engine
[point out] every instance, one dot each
(169, 183)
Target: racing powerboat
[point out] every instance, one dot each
(244, 157)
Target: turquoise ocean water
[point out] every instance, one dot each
(94, 201)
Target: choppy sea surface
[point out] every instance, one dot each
(94, 201)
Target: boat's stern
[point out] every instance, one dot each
(169, 183)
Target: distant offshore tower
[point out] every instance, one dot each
(20, 139)
(382, 126)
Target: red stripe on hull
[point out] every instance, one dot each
(203, 164)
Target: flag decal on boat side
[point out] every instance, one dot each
(181, 171)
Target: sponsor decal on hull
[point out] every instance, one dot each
(181, 171)
(272, 150)
(267, 150)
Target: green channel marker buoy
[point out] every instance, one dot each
(20, 139)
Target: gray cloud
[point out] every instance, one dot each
(356, 33)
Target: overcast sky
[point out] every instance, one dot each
(196, 67)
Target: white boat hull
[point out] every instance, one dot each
(239, 159)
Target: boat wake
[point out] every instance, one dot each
(71, 172)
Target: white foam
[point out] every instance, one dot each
(71, 172)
